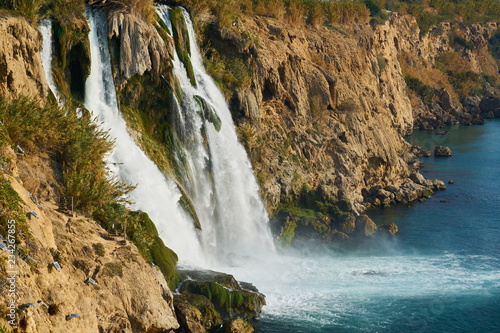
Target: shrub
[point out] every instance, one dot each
(10, 209)
(422, 90)
(295, 12)
(463, 43)
(346, 12)
(99, 249)
(113, 269)
(76, 143)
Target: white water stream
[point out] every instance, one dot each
(219, 175)
(154, 194)
(45, 28)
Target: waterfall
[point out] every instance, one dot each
(45, 28)
(219, 175)
(154, 193)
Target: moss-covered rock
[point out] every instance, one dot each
(315, 215)
(143, 233)
(194, 311)
(209, 113)
(181, 38)
(230, 298)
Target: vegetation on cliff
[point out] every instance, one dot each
(77, 147)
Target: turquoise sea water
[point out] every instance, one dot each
(441, 274)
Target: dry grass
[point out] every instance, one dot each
(346, 12)
(433, 77)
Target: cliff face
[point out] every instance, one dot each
(324, 114)
(330, 108)
(140, 46)
(21, 71)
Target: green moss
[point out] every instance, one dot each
(182, 43)
(287, 234)
(112, 269)
(99, 249)
(165, 259)
(315, 214)
(143, 233)
(229, 303)
(209, 113)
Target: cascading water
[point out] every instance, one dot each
(219, 176)
(45, 28)
(154, 194)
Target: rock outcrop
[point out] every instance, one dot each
(333, 108)
(442, 151)
(21, 71)
(140, 46)
(208, 300)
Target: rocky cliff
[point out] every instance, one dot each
(321, 109)
(126, 293)
(68, 272)
(325, 109)
(21, 71)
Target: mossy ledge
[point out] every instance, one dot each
(215, 298)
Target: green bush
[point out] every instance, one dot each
(10, 209)
(463, 43)
(494, 45)
(76, 143)
(422, 90)
(99, 249)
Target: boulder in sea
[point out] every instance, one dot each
(391, 228)
(365, 226)
(442, 151)
(238, 326)
(207, 299)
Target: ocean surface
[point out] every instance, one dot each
(441, 274)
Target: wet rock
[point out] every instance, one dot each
(196, 313)
(391, 228)
(209, 298)
(365, 226)
(238, 326)
(419, 151)
(442, 151)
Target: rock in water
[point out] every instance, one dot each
(207, 299)
(442, 151)
(365, 226)
(238, 326)
(391, 228)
